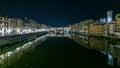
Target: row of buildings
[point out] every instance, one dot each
(13, 26)
(103, 27)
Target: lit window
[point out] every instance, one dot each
(118, 16)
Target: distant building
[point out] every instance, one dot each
(103, 20)
(117, 17)
(83, 28)
(118, 22)
(95, 29)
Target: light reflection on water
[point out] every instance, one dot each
(10, 57)
(105, 46)
(59, 35)
(108, 47)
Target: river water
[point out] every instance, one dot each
(64, 51)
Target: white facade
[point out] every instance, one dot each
(4, 26)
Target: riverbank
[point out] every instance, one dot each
(113, 37)
(19, 36)
(9, 45)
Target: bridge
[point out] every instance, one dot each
(57, 31)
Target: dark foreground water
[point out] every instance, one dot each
(61, 52)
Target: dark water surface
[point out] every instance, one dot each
(61, 52)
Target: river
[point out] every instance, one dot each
(63, 51)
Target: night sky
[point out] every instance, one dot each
(59, 12)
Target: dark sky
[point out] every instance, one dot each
(59, 12)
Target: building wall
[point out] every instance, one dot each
(20, 26)
(95, 29)
(4, 25)
(83, 27)
(117, 22)
(112, 28)
(13, 26)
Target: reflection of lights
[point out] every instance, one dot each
(17, 48)
(103, 52)
(9, 53)
(81, 36)
(36, 40)
(30, 43)
(67, 31)
(110, 59)
(26, 46)
(12, 54)
(2, 56)
(1, 59)
(86, 42)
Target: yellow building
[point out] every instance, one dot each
(95, 29)
(90, 28)
(117, 18)
(76, 27)
(99, 29)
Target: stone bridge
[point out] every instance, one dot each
(59, 30)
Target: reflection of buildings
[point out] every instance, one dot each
(117, 24)
(105, 46)
(10, 57)
(115, 51)
(57, 35)
(90, 42)
(96, 43)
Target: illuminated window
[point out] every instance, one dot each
(118, 16)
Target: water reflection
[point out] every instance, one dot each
(108, 47)
(59, 35)
(10, 57)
